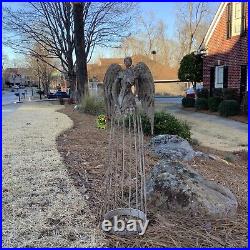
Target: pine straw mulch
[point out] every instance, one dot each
(84, 150)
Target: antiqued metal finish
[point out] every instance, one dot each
(125, 191)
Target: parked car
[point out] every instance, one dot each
(190, 92)
(58, 94)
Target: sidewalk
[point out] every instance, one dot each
(213, 131)
(41, 207)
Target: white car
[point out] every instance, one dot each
(191, 91)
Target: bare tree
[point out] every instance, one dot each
(193, 21)
(48, 25)
(5, 61)
(150, 36)
(79, 10)
(41, 69)
(51, 25)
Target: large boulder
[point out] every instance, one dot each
(172, 148)
(174, 186)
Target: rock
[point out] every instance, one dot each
(174, 186)
(172, 148)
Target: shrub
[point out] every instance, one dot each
(188, 102)
(92, 105)
(165, 123)
(201, 104)
(229, 107)
(202, 93)
(218, 93)
(245, 104)
(213, 103)
(230, 94)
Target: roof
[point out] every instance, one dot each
(105, 61)
(159, 71)
(214, 22)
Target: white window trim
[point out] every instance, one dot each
(219, 85)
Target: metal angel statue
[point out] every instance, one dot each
(118, 83)
(125, 193)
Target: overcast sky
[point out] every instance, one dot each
(166, 11)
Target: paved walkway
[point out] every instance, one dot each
(212, 130)
(41, 207)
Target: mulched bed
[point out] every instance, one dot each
(84, 150)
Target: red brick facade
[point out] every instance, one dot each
(232, 52)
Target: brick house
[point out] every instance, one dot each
(226, 46)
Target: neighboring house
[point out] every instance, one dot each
(18, 76)
(226, 46)
(159, 71)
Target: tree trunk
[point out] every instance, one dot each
(81, 60)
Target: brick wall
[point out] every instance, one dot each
(232, 52)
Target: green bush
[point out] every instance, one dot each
(230, 94)
(245, 104)
(201, 104)
(92, 105)
(188, 102)
(218, 93)
(165, 123)
(229, 107)
(213, 103)
(202, 93)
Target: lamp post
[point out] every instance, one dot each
(39, 84)
(153, 54)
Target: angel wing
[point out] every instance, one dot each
(112, 87)
(146, 90)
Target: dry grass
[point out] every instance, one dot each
(84, 149)
(41, 206)
(170, 89)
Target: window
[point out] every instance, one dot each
(219, 75)
(236, 19)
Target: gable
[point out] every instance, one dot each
(214, 23)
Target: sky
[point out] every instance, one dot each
(166, 11)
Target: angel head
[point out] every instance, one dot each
(128, 61)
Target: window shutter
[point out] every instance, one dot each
(243, 81)
(212, 80)
(225, 77)
(229, 20)
(243, 19)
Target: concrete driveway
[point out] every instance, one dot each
(212, 130)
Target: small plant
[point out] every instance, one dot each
(92, 105)
(213, 103)
(202, 93)
(229, 107)
(229, 158)
(188, 102)
(164, 123)
(201, 104)
(194, 142)
(101, 122)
